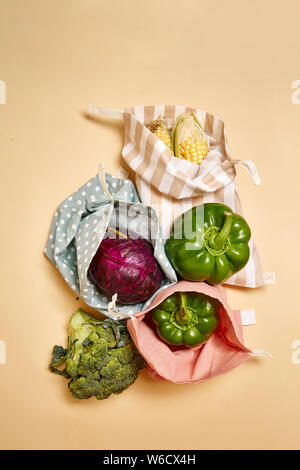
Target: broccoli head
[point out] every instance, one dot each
(101, 358)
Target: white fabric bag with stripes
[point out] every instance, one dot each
(172, 185)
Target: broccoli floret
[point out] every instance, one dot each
(71, 367)
(84, 387)
(94, 337)
(112, 369)
(116, 378)
(93, 357)
(124, 354)
(108, 335)
(101, 358)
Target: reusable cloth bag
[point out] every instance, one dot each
(172, 185)
(223, 351)
(79, 225)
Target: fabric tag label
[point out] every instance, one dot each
(270, 278)
(248, 317)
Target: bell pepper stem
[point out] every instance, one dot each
(183, 313)
(217, 241)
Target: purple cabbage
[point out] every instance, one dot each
(126, 267)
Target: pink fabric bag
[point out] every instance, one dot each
(223, 351)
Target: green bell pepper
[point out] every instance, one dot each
(186, 318)
(215, 247)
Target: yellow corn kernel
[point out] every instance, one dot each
(160, 129)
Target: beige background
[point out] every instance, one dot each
(236, 59)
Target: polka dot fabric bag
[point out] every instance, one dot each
(81, 222)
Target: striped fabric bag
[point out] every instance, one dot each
(172, 185)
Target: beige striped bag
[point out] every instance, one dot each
(172, 185)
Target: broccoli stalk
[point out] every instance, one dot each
(101, 358)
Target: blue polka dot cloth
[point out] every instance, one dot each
(79, 225)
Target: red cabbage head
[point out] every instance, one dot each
(126, 267)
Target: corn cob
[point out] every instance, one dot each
(188, 139)
(160, 129)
